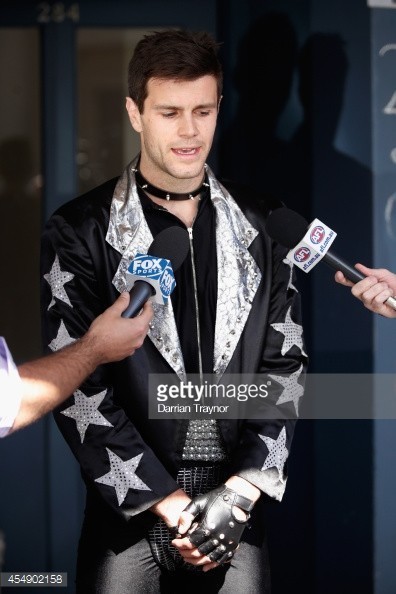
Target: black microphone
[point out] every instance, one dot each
(287, 227)
(152, 274)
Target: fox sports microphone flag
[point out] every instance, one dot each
(151, 275)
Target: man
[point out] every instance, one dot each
(374, 290)
(235, 310)
(34, 388)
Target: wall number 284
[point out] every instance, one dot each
(59, 12)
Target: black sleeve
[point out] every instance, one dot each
(113, 456)
(263, 450)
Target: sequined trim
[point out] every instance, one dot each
(129, 234)
(238, 274)
(128, 231)
(203, 441)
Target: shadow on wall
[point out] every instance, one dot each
(263, 78)
(313, 163)
(312, 176)
(307, 171)
(250, 150)
(321, 181)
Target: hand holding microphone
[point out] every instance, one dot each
(308, 244)
(375, 290)
(151, 275)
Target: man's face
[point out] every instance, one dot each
(176, 130)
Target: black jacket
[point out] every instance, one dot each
(127, 459)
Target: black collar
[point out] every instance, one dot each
(144, 185)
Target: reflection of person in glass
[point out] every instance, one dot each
(374, 290)
(33, 389)
(235, 310)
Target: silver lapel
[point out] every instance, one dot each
(129, 234)
(238, 275)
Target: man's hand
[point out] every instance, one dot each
(112, 338)
(170, 508)
(374, 290)
(222, 515)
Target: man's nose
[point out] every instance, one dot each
(188, 126)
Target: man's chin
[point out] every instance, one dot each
(188, 170)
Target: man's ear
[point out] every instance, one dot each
(218, 103)
(134, 115)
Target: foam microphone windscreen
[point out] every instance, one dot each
(171, 243)
(285, 226)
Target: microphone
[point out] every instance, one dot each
(151, 274)
(308, 244)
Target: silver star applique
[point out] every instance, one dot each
(122, 475)
(85, 411)
(57, 278)
(292, 333)
(62, 339)
(290, 284)
(292, 390)
(277, 452)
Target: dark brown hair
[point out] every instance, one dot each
(176, 55)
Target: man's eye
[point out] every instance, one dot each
(169, 114)
(204, 113)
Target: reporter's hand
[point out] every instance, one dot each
(112, 337)
(374, 290)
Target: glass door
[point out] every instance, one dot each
(105, 139)
(20, 190)
(63, 130)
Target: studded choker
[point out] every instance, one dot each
(159, 193)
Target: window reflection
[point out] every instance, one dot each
(106, 142)
(20, 192)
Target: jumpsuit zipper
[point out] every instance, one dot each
(190, 234)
